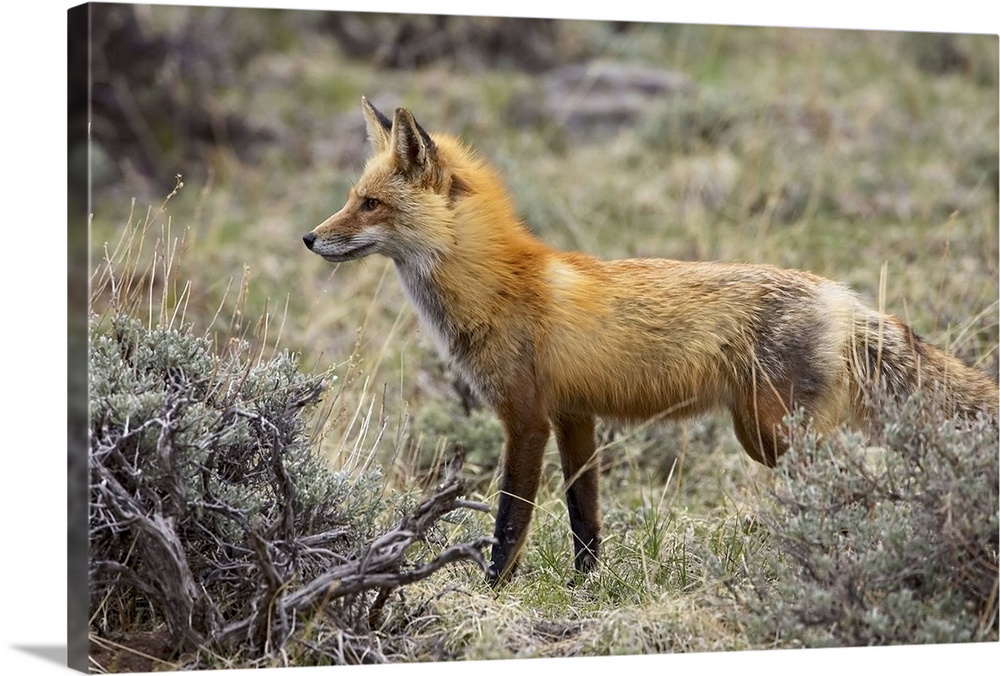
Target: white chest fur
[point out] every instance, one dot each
(418, 283)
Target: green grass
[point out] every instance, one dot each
(831, 151)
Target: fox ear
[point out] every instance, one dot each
(379, 126)
(412, 146)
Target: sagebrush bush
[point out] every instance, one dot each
(891, 543)
(190, 437)
(211, 514)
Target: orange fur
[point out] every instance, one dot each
(551, 339)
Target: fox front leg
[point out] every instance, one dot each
(527, 432)
(581, 472)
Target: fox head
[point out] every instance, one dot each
(400, 207)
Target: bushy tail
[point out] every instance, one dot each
(890, 361)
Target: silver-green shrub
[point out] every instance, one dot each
(891, 540)
(210, 514)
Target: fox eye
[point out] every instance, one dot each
(369, 204)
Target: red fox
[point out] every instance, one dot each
(550, 339)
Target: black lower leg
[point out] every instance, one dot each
(586, 540)
(503, 559)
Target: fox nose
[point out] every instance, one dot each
(309, 239)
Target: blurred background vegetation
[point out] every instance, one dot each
(840, 152)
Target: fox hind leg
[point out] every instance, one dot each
(758, 426)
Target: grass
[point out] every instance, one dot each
(845, 153)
